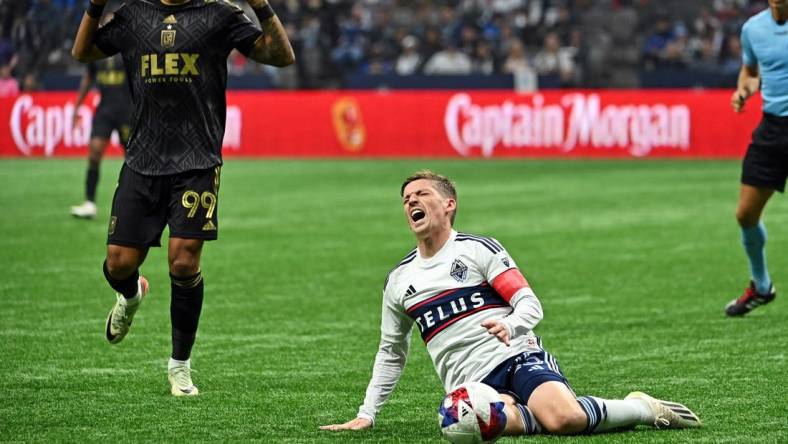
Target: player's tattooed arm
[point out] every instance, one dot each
(273, 47)
(84, 48)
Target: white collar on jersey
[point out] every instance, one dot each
(436, 257)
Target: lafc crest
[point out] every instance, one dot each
(168, 38)
(168, 35)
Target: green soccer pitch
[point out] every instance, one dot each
(633, 262)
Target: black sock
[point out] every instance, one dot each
(91, 183)
(127, 287)
(185, 307)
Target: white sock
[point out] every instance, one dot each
(137, 297)
(624, 413)
(176, 363)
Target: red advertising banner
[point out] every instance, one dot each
(563, 123)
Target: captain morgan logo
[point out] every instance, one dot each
(349, 124)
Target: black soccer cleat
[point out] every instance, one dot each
(749, 300)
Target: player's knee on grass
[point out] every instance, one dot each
(564, 421)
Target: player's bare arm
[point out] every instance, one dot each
(747, 85)
(84, 87)
(273, 47)
(84, 48)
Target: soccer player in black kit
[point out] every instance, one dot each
(113, 113)
(175, 55)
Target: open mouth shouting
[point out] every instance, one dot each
(417, 214)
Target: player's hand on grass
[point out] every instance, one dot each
(498, 329)
(738, 100)
(354, 424)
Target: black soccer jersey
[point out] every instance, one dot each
(176, 63)
(110, 77)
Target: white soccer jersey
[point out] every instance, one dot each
(447, 297)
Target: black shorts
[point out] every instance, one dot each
(187, 202)
(766, 162)
(109, 118)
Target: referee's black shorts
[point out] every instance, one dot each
(766, 162)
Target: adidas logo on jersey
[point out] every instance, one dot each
(411, 291)
(170, 20)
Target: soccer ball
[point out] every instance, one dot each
(472, 413)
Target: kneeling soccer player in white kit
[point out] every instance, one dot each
(476, 312)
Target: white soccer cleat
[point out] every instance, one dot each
(86, 210)
(122, 313)
(667, 414)
(180, 376)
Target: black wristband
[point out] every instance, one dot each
(264, 13)
(94, 10)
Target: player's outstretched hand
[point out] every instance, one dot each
(497, 329)
(353, 424)
(737, 101)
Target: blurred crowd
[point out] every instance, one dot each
(587, 43)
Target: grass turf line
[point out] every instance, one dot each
(633, 262)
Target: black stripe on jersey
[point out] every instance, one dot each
(407, 259)
(490, 240)
(491, 244)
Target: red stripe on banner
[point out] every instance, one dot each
(509, 282)
(498, 124)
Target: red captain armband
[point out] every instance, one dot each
(509, 282)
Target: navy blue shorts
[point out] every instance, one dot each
(521, 374)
